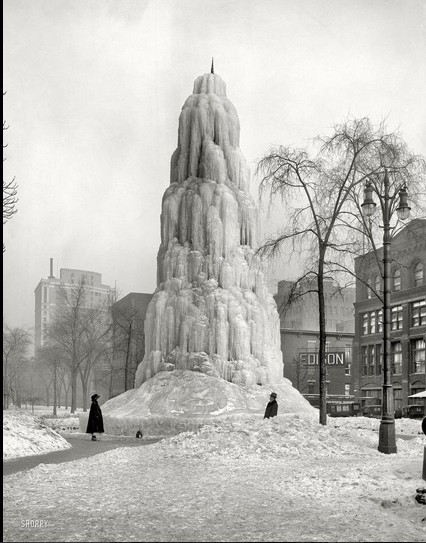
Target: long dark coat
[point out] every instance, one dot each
(95, 422)
(271, 409)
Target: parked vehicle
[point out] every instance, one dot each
(371, 411)
(341, 409)
(415, 411)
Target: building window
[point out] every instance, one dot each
(380, 320)
(418, 355)
(418, 313)
(364, 324)
(372, 322)
(397, 357)
(311, 387)
(348, 359)
(347, 390)
(45, 295)
(397, 396)
(364, 360)
(418, 274)
(312, 346)
(372, 394)
(379, 359)
(371, 359)
(396, 280)
(397, 317)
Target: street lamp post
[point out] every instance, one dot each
(387, 441)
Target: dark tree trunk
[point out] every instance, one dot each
(73, 390)
(322, 343)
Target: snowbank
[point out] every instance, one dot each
(25, 435)
(292, 435)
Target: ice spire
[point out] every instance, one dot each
(211, 312)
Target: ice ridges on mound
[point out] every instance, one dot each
(211, 312)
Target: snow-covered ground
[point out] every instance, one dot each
(283, 479)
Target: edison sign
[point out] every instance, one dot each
(331, 359)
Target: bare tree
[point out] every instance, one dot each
(300, 370)
(48, 361)
(10, 192)
(321, 223)
(64, 382)
(110, 372)
(128, 339)
(76, 332)
(97, 343)
(15, 354)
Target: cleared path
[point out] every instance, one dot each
(82, 447)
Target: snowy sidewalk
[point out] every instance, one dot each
(82, 447)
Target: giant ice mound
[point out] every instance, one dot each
(212, 335)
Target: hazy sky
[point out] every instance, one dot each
(95, 89)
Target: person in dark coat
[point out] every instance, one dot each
(272, 407)
(95, 422)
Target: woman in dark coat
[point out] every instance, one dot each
(272, 407)
(95, 422)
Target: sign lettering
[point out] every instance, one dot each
(331, 359)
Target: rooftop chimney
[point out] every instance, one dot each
(51, 276)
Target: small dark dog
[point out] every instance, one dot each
(139, 434)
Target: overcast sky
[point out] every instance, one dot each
(95, 89)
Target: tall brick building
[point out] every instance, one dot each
(408, 328)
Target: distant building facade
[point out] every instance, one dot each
(300, 337)
(408, 321)
(48, 296)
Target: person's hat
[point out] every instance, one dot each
(274, 394)
(95, 397)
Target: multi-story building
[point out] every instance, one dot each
(300, 337)
(408, 322)
(49, 296)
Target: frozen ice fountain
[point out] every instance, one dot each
(212, 337)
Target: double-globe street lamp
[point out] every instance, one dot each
(387, 441)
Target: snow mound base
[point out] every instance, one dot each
(179, 401)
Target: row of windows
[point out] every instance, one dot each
(312, 370)
(312, 387)
(417, 280)
(372, 358)
(372, 322)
